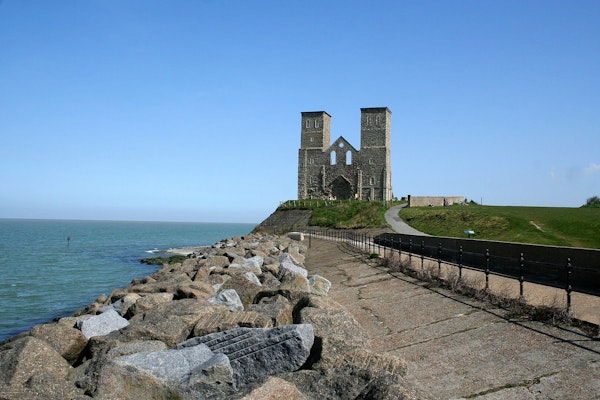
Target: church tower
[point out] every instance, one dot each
(315, 138)
(375, 139)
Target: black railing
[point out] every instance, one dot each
(525, 263)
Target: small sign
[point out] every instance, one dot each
(469, 232)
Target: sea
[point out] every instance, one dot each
(51, 268)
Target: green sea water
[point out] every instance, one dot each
(43, 275)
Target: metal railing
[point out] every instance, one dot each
(562, 274)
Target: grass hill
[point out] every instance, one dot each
(342, 214)
(573, 227)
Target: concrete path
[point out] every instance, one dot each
(392, 218)
(456, 347)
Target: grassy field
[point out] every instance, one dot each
(343, 214)
(574, 227)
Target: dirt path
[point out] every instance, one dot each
(456, 347)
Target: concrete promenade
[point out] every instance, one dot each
(456, 347)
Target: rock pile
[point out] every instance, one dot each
(241, 319)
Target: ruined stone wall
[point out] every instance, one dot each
(437, 201)
(340, 170)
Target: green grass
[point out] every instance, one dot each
(343, 214)
(574, 227)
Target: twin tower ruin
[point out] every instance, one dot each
(339, 171)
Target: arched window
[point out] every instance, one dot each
(348, 157)
(333, 159)
(371, 181)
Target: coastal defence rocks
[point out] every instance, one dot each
(240, 319)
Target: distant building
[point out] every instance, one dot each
(340, 171)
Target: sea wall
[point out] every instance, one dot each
(241, 319)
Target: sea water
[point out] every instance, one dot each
(51, 268)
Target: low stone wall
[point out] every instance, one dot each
(241, 319)
(437, 201)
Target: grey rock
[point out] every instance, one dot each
(245, 287)
(294, 283)
(338, 323)
(102, 324)
(104, 350)
(277, 307)
(288, 266)
(219, 319)
(228, 298)
(257, 353)
(319, 285)
(274, 389)
(256, 261)
(253, 278)
(163, 374)
(287, 258)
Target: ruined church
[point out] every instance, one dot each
(338, 170)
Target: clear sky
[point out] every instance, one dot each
(189, 110)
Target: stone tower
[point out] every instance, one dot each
(339, 170)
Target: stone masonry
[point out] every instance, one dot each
(340, 171)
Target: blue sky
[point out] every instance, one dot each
(190, 110)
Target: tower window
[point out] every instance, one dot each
(316, 123)
(371, 181)
(333, 158)
(348, 157)
(307, 123)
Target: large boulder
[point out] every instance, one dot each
(148, 302)
(257, 353)
(29, 361)
(164, 374)
(275, 389)
(245, 285)
(102, 324)
(68, 341)
(319, 285)
(277, 307)
(329, 323)
(221, 319)
(228, 298)
(103, 349)
(196, 290)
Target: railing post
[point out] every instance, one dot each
(309, 239)
(569, 287)
(400, 247)
(439, 259)
(487, 269)
(410, 251)
(422, 254)
(521, 277)
(460, 256)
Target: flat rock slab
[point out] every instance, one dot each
(258, 352)
(457, 347)
(162, 374)
(102, 324)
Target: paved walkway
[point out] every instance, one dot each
(456, 347)
(397, 224)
